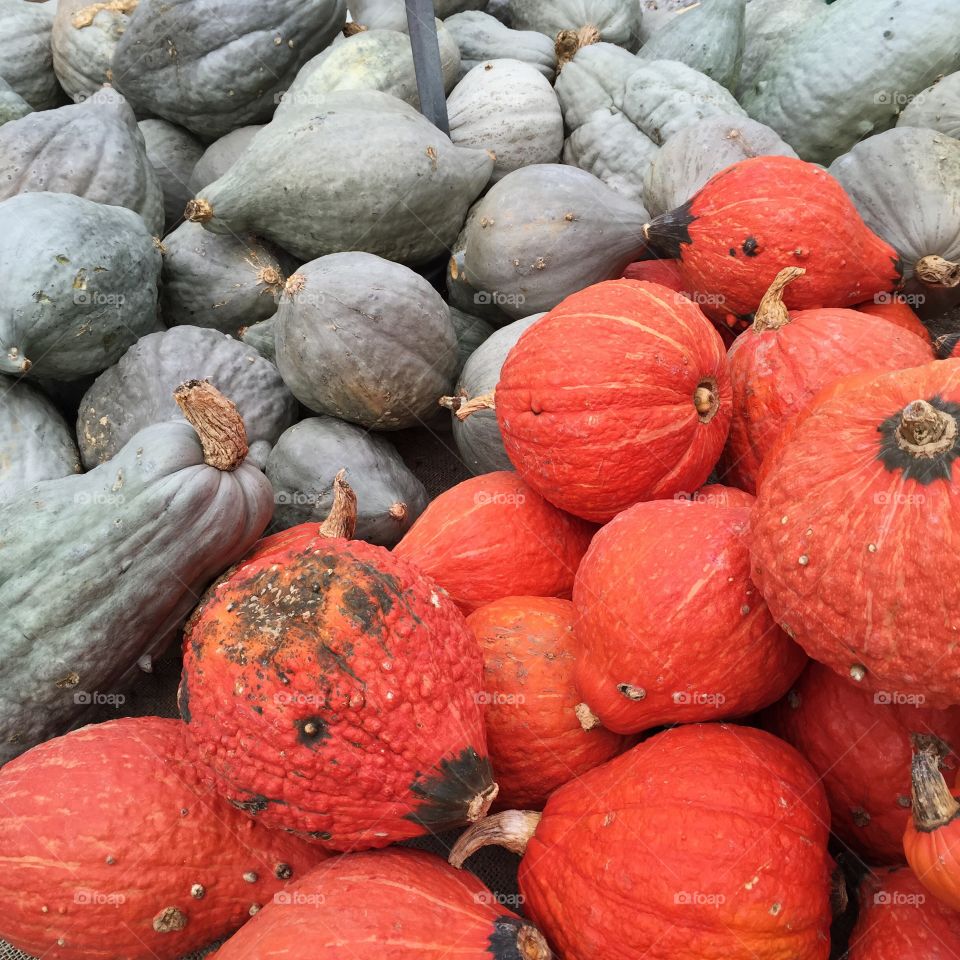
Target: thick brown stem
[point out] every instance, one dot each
(588, 719)
(481, 803)
(937, 272)
(570, 41)
(217, 421)
(12, 362)
(86, 15)
(706, 400)
(352, 28)
(341, 522)
(398, 511)
(468, 407)
(511, 829)
(198, 211)
(772, 313)
(933, 804)
(531, 944)
(451, 403)
(925, 431)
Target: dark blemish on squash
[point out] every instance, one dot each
(447, 794)
(363, 610)
(732, 251)
(256, 804)
(503, 943)
(68, 681)
(330, 658)
(751, 247)
(670, 230)
(887, 34)
(257, 709)
(898, 266)
(169, 920)
(311, 731)
(62, 258)
(860, 817)
(283, 871)
(320, 835)
(40, 297)
(183, 698)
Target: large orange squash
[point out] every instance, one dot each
(331, 689)
(859, 743)
(856, 538)
(894, 309)
(703, 841)
(619, 394)
(780, 364)
(759, 215)
(670, 629)
(494, 536)
(535, 740)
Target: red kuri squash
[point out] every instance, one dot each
(779, 365)
(493, 536)
(899, 920)
(894, 309)
(331, 689)
(669, 627)
(760, 214)
(859, 743)
(389, 905)
(665, 272)
(535, 740)
(856, 538)
(110, 846)
(619, 394)
(703, 841)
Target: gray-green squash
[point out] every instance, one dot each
(845, 72)
(92, 149)
(709, 38)
(471, 332)
(138, 391)
(365, 340)
(220, 156)
(26, 62)
(546, 231)
(694, 154)
(481, 37)
(905, 183)
(616, 21)
(36, 443)
(79, 284)
(610, 147)
(371, 60)
(461, 294)
(661, 97)
(656, 14)
(478, 437)
(392, 14)
(212, 68)
(173, 153)
(123, 553)
(507, 107)
(402, 194)
(219, 280)
(937, 107)
(262, 337)
(12, 105)
(593, 80)
(769, 24)
(309, 455)
(83, 40)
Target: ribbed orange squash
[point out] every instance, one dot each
(494, 536)
(780, 364)
(619, 394)
(535, 740)
(670, 628)
(665, 272)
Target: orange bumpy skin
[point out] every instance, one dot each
(494, 536)
(597, 402)
(388, 905)
(897, 312)
(536, 741)
(706, 841)
(900, 920)
(111, 847)
(859, 743)
(855, 537)
(332, 689)
(681, 641)
(763, 214)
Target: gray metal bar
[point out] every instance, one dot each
(422, 26)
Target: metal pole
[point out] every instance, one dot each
(426, 61)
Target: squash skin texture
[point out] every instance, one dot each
(388, 905)
(83, 50)
(899, 919)
(140, 510)
(26, 62)
(329, 689)
(821, 112)
(895, 311)
(482, 37)
(833, 519)
(766, 213)
(695, 636)
(106, 828)
(536, 741)
(493, 536)
(859, 744)
(173, 153)
(935, 108)
(731, 800)
(776, 374)
(619, 360)
(616, 21)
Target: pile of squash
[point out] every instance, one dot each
(679, 288)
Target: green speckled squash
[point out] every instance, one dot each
(79, 284)
(261, 336)
(83, 40)
(26, 62)
(616, 21)
(461, 294)
(481, 37)
(173, 153)
(220, 156)
(471, 333)
(593, 80)
(937, 107)
(656, 14)
(392, 14)
(12, 105)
